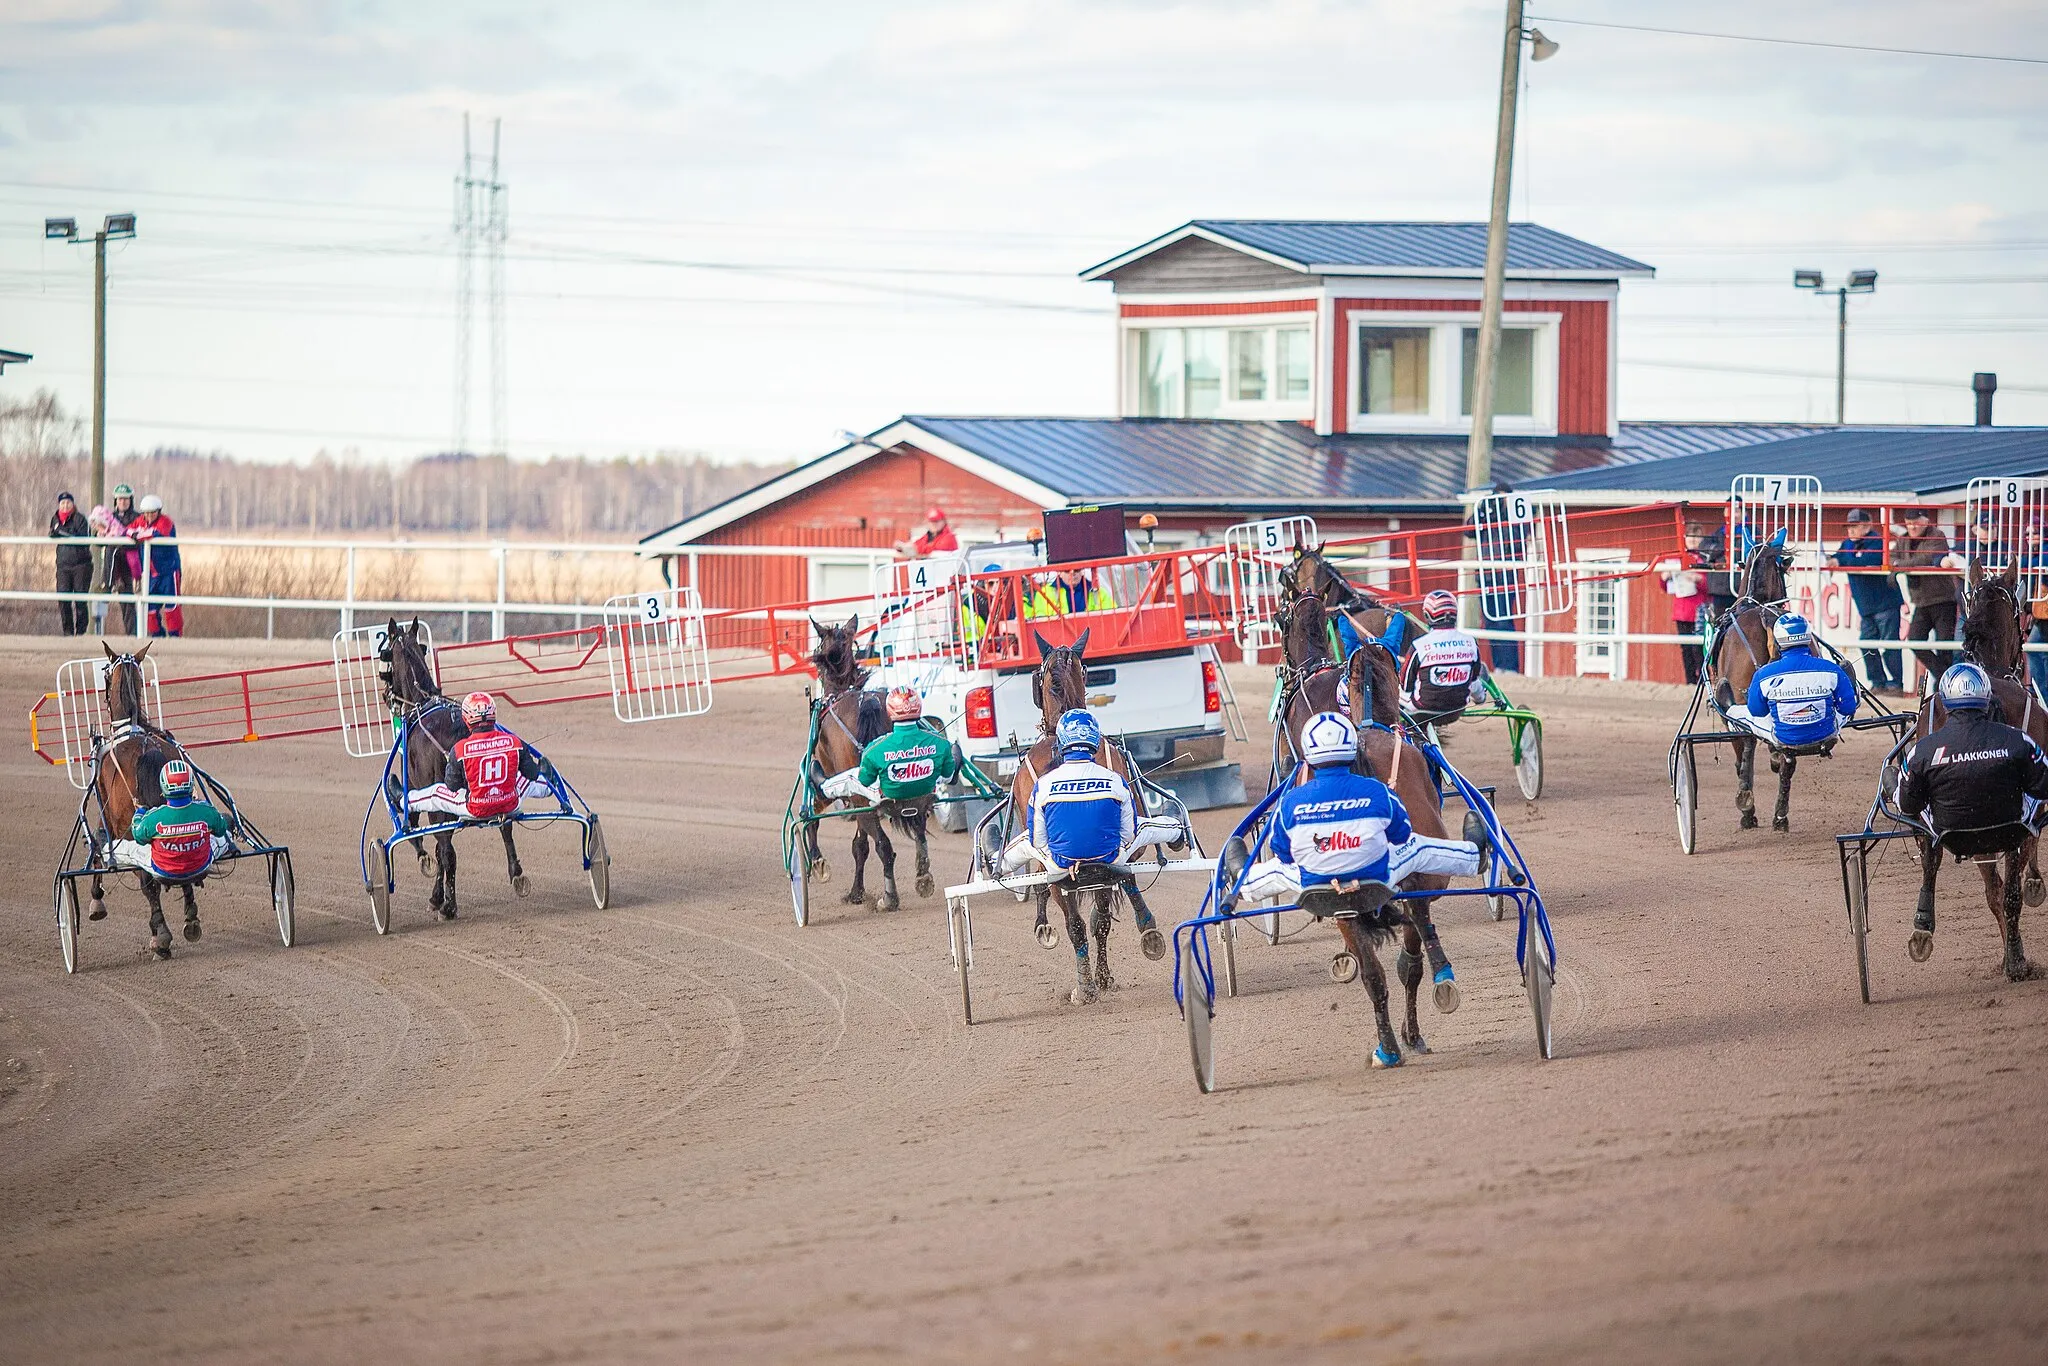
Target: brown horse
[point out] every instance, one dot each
(1311, 573)
(129, 779)
(1992, 635)
(849, 717)
(1742, 645)
(1060, 685)
(1369, 689)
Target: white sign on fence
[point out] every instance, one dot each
(1525, 555)
(1256, 553)
(1762, 505)
(2002, 523)
(82, 716)
(359, 672)
(659, 658)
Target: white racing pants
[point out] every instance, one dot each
(1273, 881)
(129, 854)
(1022, 854)
(847, 786)
(443, 800)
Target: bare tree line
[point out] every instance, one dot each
(43, 450)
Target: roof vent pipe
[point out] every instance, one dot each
(1986, 384)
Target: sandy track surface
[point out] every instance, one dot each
(683, 1129)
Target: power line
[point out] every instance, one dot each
(1949, 386)
(1791, 42)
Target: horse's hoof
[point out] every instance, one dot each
(1082, 996)
(1048, 937)
(821, 871)
(1382, 1058)
(1415, 1043)
(1343, 968)
(888, 901)
(521, 884)
(2033, 891)
(1749, 820)
(925, 885)
(98, 909)
(855, 896)
(1446, 991)
(191, 932)
(445, 912)
(162, 951)
(1920, 947)
(2019, 972)
(1781, 824)
(427, 868)
(1152, 944)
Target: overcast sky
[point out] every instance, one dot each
(740, 228)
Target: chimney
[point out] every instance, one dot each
(1986, 385)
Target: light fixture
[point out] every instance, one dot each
(1862, 281)
(1807, 279)
(60, 229)
(120, 225)
(1541, 49)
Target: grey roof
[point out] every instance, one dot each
(1847, 460)
(1657, 440)
(1321, 247)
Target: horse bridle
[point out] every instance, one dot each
(1983, 587)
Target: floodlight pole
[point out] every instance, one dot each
(1841, 355)
(99, 369)
(1479, 449)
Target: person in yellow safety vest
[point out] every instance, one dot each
(974, 609)
(1072, 590)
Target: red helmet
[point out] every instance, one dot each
(904, 704)
(1440, 608)
(479, 710)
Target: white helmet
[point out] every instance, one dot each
(1965, 687)
(1328, 739)
(150, 503)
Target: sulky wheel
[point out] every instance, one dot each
(1538, 976)
(284, 896)
(800, 885)
(1196, 1009)
(379, 859)
(67, 922)
(959, 927)
(598, 860)
(1686, 794)
(1529, 769)
(1856, 878)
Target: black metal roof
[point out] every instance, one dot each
(1849, 460)
(1314, 246)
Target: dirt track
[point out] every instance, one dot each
(683, 1129)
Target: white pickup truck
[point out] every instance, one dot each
(1164, 698)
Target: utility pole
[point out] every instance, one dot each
(1860, 282)
(480, 218)
(118, 227)
(1479, 448)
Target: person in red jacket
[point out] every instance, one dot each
(490, 765)
(938, 537)
(166, 570)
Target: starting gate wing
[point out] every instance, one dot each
(1256, 553)
(656, 649)
(1762, 505)
(1525, 556)
(917, 618)
(82, 719)
(2002, 522)
(366, 730)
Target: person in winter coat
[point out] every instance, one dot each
(1919, 544)
(74, 564)
(121, 565)
(166, 570)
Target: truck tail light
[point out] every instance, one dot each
(981, 714)
(1212, 687)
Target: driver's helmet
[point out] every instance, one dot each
(478, 711)
(1328, 738)
(1965, 687)
(1440, 608)
(903, 704)
(1792, 633)
(1077, 731)
(176, 781)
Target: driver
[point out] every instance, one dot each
(1442, 675)
(1339, 826)
(1081, 811)
(489, 769)
(180, 833)
(1977, 782)
(1802, 697)
(910, 760)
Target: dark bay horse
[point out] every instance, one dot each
(1368, 688)
(433, 727)
(850, 717)
(1742, 644)
(129, 772)
(1059, 685)
(1312, 574)
(1992, 635)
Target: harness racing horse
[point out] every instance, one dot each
(415, 698)
(1312, 574)
(1059, 685)
(1369, 689)
(849, 718)
(1992, 636)
(1742, 645)
(128, 779)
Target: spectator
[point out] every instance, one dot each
(1685, 580)
(1877, 601)
(1071, 590)
(938, 538)
(2034, 584)
(1920, 545)
(74, 565)
(121, 565)
(166, 576)
(1720, 579)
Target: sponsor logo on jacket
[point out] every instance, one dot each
(1336, 842)
(912, 770)
(1942, 756)
(1079, 787)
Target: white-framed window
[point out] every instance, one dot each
(1412, 372)
(1255, 367)
(1602, 612)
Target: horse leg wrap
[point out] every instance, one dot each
(1408, 968)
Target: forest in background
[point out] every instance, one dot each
(44, 450)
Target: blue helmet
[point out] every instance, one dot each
(1792, 632)
(1965, 687)
(1077, 730)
